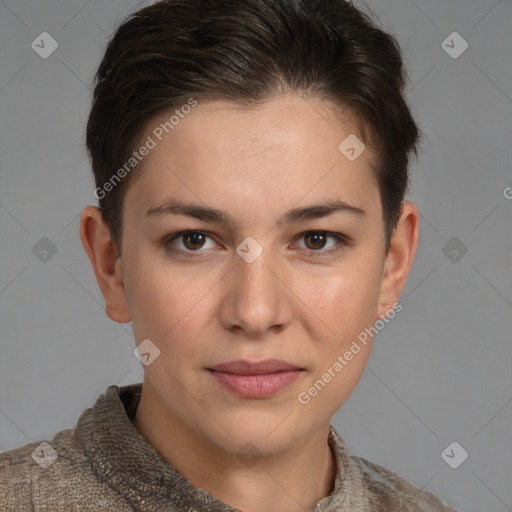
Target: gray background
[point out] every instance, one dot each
(440, 372)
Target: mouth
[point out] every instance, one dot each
(256, 379)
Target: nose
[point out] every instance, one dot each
(256, 300)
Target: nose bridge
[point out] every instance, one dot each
(256, 293)
(253, 275)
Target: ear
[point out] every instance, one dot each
(105, 262)
(402, 250)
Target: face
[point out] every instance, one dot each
(254, 284)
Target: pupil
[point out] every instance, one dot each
(318, 239)
(194, 237)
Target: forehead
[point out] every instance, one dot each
(283, 149)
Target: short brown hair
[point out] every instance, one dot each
(247, 51)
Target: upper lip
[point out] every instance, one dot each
(241, 367)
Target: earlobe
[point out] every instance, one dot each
(102, 254)
(400, 257)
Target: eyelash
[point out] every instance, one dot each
(342, 242)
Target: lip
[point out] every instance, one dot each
(261, 379)
(242, 367)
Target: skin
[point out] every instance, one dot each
(255, 164)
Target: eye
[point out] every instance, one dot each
(315, 242)
(192, 242)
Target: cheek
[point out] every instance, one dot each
(344, 302)
(169, 305)
(152, 292)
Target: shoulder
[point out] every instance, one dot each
(383, 487)
(30, 472)
(16, 477)
(50, 475)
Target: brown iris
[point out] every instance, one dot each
(318, 240)
(197, 240)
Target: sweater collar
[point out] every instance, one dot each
(122, 457)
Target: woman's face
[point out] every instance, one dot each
(257, 283)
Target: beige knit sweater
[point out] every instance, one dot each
(105, 464)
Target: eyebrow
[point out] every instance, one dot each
(208, 214)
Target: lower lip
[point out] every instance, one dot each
(256, 386)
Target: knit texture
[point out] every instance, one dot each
(105, 464)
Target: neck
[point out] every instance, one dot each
(292, 480)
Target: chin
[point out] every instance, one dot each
(267, 434)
